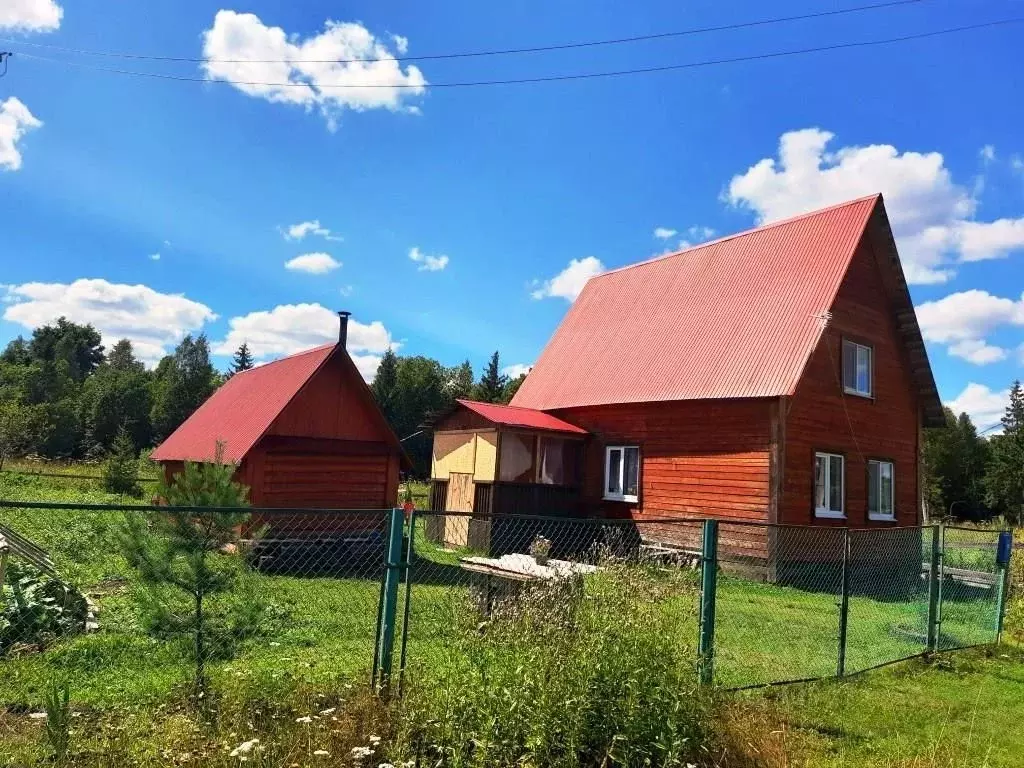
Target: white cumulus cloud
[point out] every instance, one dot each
(15, 122)
(931, 215)
(342, 67)
(985, 406)
(153, 321)
(963, 320)
(428, 263)
(30, 15)
(290, 328)
(313, 263)
(303, 228)
(516, 370)
(568, 283)
(664, 233)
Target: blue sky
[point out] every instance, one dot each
(514, 184)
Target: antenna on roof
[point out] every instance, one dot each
(343, 327)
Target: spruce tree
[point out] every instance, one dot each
(183, 560)
(385, 384)
(122, 466)
(491, 388)
(242, 361)
(1004, 480)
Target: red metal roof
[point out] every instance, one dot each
(527, 418)
(736, 317)
(242, 409)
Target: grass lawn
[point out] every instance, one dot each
(959, 710)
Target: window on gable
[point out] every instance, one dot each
(828, 485)
(857, 368)
(880, 491)
(622, 473)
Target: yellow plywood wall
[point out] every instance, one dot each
(453, 452)
(472, 453)
(486, 456)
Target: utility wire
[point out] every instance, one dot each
(545, 78)
(498, 52)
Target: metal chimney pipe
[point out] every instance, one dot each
(343, 327)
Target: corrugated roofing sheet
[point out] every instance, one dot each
(736, 317)
(241, 410)
(527, 418)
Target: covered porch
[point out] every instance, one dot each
(498, 460)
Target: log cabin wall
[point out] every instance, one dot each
(820, 417)
(697, 459)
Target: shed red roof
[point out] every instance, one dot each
(242, 409)
(733, 318)
(526, 418)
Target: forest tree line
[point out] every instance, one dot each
(64, 396)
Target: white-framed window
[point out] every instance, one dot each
(622, 472)
(829, 472)
(880, 490)
(857, 368)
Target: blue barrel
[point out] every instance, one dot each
(1003, 548)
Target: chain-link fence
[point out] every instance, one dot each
(131, 602)
(135, 601)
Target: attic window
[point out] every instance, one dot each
(622, 473)
(857, 368)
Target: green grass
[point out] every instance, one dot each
(318, 647)
(960, 710)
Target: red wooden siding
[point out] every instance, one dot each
(698, 458)
(821, 417)
(330, 405)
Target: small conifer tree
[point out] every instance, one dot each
(122, 466)
(186, 562)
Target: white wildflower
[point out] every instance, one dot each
(328, 711)
(37, 715)
(244, 748)
(306, 719)
(375, 740)
(385, 765)
(360, 753)
(321, 753)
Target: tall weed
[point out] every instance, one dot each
(594, 671)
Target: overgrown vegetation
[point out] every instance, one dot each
(968, 476)
(36, 609)
(563, 674)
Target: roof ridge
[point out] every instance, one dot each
(497, 405)
(292, 356)
(744, 233)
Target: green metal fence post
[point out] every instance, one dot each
(935, 588)
(410, 554)
(844, 605)
(389, 609)
(708, 593)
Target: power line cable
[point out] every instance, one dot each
(497, 52)
(545, 78)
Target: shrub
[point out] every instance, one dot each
(566, 673)
(36, 609)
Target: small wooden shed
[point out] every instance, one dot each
(497, 459)
(305, 432)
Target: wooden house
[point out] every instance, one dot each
(774, 376)
(304, 431)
